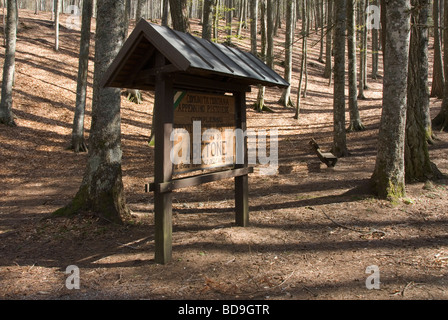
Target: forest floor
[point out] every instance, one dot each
(313, 230)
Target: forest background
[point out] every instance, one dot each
(312, 223)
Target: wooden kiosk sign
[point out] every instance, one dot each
(199, 85)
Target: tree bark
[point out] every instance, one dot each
(259, 104)
(139, 10)
(304, 34)
(417, 163)
(438, 80)
(56, 24)
(6, 115)
(207, 21)
(78, 144)
(285, 99)
(355, 119)
(254, 27)
(165, 13)
(229, 20)
(440, 122)
(375, 48)
(270, 33)
(339, 139)
(101, 191)
(362, 52)
(322, 30)
(179, 15)
(388, 180)
(329, 41)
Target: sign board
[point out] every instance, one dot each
(202, 127)
(163, 60)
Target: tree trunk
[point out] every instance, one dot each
(440, 122)
(56, 24)
(253, 26)
(340, 141)
(179, 15)
(6, 115)
(438, 80)
(417, 164)
(127, 16)
(259, 105)
(207, 20)
(364, 42)
(362, 52)
(78, 143)
(329, 41)
(355, 119)
(241, 17)
(322, 31)
(375, 48)
(139, 10)
(216, 16)
(101, 190)
(306, 36)
(229, 19)
(270, 33)
(278, 17)
(305, 16)
(383, 27)
(388, 180)
(285, 99)
(165, 13)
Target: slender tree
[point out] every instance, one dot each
(375, 48)
(321, 6)
(179, 15)
(78, 143)
(438, 81)
(363, 49)
(101, 191)
(253, 26)
(285, 99)
(56, 24)
(440, 122)
(304, 34)
(270, 33)
(329, 41)
(165, 12)
(388, 179)
(355, 119)
(207, 20)
(364, 42)
(417, 163)
(229, 19)
(6, 115)
(340, 140)
(139, 9)
(259, 104)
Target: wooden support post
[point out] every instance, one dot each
(163, 168)
(241, 182)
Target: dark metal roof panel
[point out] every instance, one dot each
(206, 55)
(197, 55)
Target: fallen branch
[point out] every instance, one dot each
(359, 230)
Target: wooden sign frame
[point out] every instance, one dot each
(164, 184)
(166, 61)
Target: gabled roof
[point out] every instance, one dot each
(185, 54)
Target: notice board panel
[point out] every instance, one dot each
(202, 124)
